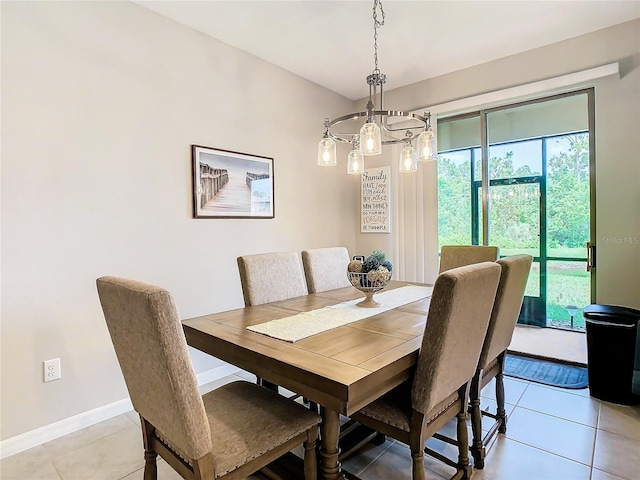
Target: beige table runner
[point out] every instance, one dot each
(306, 324)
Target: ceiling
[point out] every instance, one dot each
(331, 42)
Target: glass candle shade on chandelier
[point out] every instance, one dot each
(382, 127)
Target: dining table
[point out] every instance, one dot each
(341, 369)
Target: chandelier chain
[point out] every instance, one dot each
(377, 4)
(377, 131)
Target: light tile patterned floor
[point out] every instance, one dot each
(553, 434)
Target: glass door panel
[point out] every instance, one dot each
(458, 141)
(514, 226)
(568, 293)
(568, 205)
(533, 282)
(515, 159)
(528, 143)
(538, 195)
(514, 222)
(454, 201)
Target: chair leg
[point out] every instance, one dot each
(501, 413)
(266, 384)
(314, 407)
(477, 447)
(417, 466)
(310, 459)
(150, 466)
(150, 455)
(379, 439)
(463, 442)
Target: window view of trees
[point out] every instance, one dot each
(454, 198)
(568, 196)
(514, 213)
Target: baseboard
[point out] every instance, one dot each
(216, 373)
(50, 432)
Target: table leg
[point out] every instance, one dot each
(330, 432)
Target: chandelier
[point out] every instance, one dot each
(382, 127)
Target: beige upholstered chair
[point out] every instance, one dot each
(455, 330)
(269, 277)
(326, 268)
(506, 309)
(452, 256)
(228, 433)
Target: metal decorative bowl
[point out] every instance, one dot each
(369, 283)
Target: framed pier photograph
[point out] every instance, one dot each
(230, 184)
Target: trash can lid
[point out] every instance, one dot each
(612, 313)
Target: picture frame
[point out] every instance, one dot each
(228, 184)
(375, 200)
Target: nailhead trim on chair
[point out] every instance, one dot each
(404, 427)
(166, 443)
(260, 453)
(492, 364)
(247, 460)
(437, 414)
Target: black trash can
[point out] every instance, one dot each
(612, 337)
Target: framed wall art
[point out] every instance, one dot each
(375, 194)
(230, 184)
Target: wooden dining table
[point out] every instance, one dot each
(342, 369)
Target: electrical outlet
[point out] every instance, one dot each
(52, 370)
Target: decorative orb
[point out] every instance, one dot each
(370, 263)
(354, 266)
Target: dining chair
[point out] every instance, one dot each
(228, 433)
(438, 391)
(452, 256)
(504, 316)
(325, 268)
(269, 277)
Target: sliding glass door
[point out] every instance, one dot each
(518, 177)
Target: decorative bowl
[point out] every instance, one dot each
(369, 283)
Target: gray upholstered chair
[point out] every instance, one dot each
(228, 433)
(269, 277)
(452, 256)
(454, 333)
(326, 268)
(506, 309)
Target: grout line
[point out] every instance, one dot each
(593, 452)
(547, 451)
(559, 418)
(391, 442)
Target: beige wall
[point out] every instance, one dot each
(100, 104)
(617, 125)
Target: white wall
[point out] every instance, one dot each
(617, 142)
(100, 104)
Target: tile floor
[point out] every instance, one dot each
(552, 434)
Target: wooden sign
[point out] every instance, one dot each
(375, 194)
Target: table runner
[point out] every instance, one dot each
(306, 324)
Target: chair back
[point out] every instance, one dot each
(326, 268)
(506, 308)
(152, 351)
(456, 326)
(453, 256)
(270, 277)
